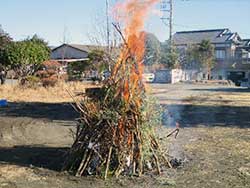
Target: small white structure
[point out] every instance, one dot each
(177, 75)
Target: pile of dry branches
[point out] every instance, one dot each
(114, 134)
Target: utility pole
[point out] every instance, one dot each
(171, 22)
(108, 32)
(167, 17)
(108, 25)
(115, 36)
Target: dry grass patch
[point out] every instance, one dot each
(235, 141)
(12, 172)
(220, 159)
(60, 93)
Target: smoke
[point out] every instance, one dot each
(157, 12)
(171, 115)
(132, 14)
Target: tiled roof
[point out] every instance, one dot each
(195, 37)
(84, 48)
(246, 42)
(87, 48)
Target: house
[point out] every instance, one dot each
(232, 53)
(69, 53)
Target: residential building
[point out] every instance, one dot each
(232, 53)
(70, 53)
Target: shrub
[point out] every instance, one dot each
(30, 81)
(50, 81)
(50, 74)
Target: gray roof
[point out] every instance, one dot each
(87, 48)
(51, 47)
(84, 48)
(246, 42)
(195, 37)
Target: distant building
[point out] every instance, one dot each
(232, 53)
(70, 53)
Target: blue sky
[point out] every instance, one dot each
(78, 19)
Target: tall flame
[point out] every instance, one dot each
(132, 15)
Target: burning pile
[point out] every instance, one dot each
(114, 135)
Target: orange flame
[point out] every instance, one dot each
(132, 14)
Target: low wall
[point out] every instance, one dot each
(177, 75)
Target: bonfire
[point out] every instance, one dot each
(114, 135)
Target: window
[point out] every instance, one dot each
(220, 54)
(246, 55)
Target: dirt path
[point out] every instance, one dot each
(35, 136)
(174, 100)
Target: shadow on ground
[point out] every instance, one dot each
(42, 157)
(202, 115)
(50, 111)
(231, 90)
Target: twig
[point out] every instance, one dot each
(80, 172)
(118, 29)
(81, 164)
(108, 162)
(157, 163)
(176, 131)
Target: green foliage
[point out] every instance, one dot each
(5, 39)
(33, 79)
(98, 60)
(76, 69)
(152, 49)
(160, 53)
(152, 113)
(26, 56)
(169, 56)
(203, 54)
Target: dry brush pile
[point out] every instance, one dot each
(116, 129)
(115, 134)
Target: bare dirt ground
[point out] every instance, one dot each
(215, 135)
(213, 144)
